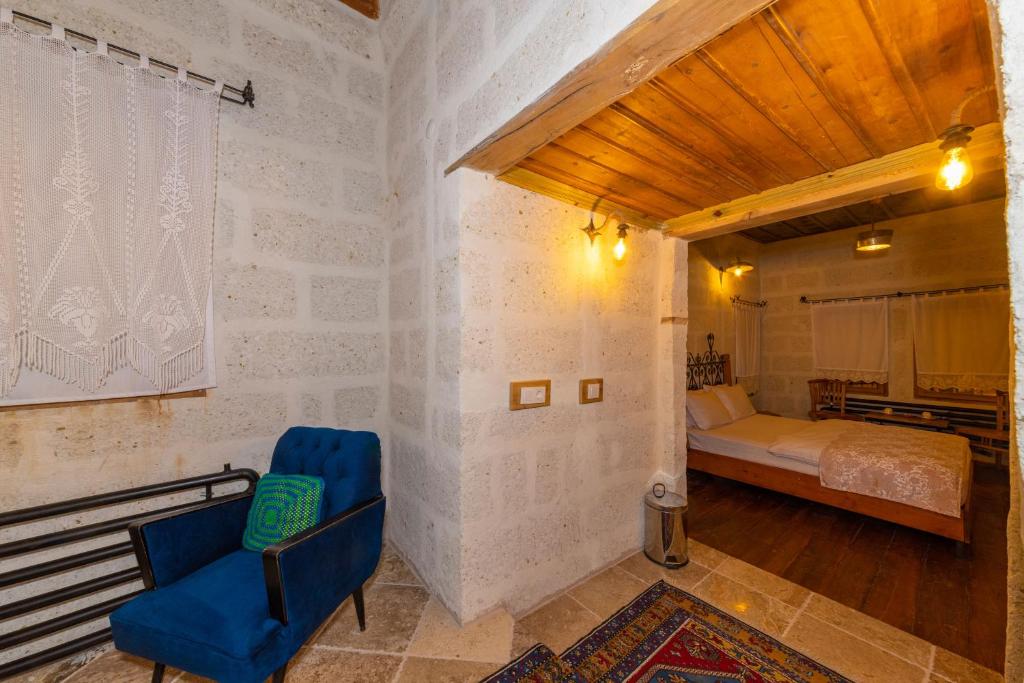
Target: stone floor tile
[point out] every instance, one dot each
(558, 624)
(764, 582)
(746, 604)
(607, 592)
(488, 639)
(875, 632)
(393, 569)
(392, 613)
(704, 554)
(117, 667)
(956, 668)
(423, 670)
(49, 673)
(685, 577)
(848, 655)
(325, 665)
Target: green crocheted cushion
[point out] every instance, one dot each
(284, 505)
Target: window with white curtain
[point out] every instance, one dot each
(106, 224)
(850, 340)
(747, 363)
(962, 342)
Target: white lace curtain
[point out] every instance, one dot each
(748, 344)
(106, 223)
(851, 340)
(962, 341)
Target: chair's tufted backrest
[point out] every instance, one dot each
(348, 462)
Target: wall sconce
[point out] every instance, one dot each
(955, 170)
(737, 267)
(593, 232)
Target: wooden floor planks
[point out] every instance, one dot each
(904, 577)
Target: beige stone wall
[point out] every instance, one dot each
(551, 494)
(1008, 28)
(300, 256)
(456, 71)
(710, 291)
(952, 248)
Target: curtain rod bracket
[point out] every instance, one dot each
(248, 96)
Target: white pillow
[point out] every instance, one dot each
(706, 409)
(735, 400)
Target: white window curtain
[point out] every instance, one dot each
(962, 341)
(851, 340)
(106, 224)
(748, 344)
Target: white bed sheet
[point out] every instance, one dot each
(750, 438)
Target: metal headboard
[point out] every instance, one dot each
(707, 369)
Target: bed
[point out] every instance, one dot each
(910, 477)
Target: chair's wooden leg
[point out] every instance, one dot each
(357, 597)
(158, 672)
(279, 674)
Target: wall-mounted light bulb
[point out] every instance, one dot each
(619, 250)
(956, 169)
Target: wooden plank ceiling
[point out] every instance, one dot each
(803, 88)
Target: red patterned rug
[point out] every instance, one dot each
(668, 636)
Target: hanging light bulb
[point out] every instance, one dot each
(874, 240)
(619, 250)
(955, 170)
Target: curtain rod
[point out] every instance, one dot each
(897, 295)
(747, 302)
(246, 93)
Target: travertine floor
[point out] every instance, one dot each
(411, 638)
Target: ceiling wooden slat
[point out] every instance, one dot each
(721, 172)
(667, 31)
(841, 100)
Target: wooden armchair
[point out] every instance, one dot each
(994, 443)
(828, 399)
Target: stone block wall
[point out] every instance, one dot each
(300, 255)
(457, 69)
(551, 494)
(710, 291)
(952, 248)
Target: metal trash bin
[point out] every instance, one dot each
(665, 527)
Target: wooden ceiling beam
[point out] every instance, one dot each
(902, 171)
(668, 31)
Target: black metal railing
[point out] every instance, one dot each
(74, 590)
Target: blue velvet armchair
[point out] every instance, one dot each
(214, 609)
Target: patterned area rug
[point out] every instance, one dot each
(668, 636)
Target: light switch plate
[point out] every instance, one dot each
(534, 393)
(592, 390)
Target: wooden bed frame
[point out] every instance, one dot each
(712, 365)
